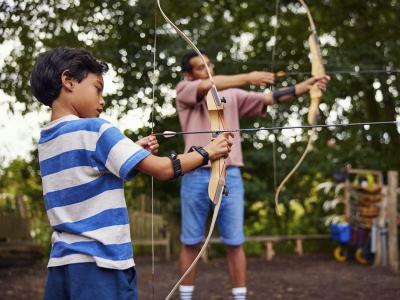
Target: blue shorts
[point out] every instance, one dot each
(196, 206)
(87, 281)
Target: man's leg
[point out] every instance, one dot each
(195, 208)
(187, 256)
(236, 265)
(230, 222)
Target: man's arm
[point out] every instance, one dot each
(300, 89)
(223, 82)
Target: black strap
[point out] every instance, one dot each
(277, 94)
(202, 152)
(176, 164)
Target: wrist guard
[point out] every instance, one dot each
(277, 94)
(176, 165)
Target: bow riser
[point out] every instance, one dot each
(217, 179)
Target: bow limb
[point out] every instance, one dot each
(203, 248)
(217, 180)
(317, 70)
(186, 38)
(216, 186)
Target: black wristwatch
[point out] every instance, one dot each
(202, 152)
(176, 164)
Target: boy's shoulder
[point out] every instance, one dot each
(92, 124)
(72, 124)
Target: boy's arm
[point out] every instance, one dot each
(162, 169)
(223, 82)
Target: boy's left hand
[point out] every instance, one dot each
(321, 82)
(149, 143)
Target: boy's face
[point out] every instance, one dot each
(87, 98)
(199, 70)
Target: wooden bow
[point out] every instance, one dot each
(317, 70)
(216, 187)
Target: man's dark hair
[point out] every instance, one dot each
(46, 74)
(185, 62)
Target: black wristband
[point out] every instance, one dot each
(176, 164)
(277, 94)
(202, 152)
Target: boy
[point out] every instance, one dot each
(84, 161)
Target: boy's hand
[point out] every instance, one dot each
(261, 78)
(220, 147)
(149, 143)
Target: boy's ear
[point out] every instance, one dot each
(188, 76)
(67, 81)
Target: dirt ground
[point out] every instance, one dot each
(313, 276)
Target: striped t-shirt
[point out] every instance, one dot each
(83, 164)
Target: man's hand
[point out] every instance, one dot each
(220, 147)
(149, 143)
(261, 78)
(305, 86)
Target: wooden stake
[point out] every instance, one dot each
(392, 221)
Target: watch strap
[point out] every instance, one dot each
(202, 152)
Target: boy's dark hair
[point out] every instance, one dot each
(46, 74)
(185, 62)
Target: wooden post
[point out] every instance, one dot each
(299, 247)
(393, 251)
(21, 206)
(269, 250)
(204, 257)
(346, 201)
(167, 246)
(380, 221)
(378, 247)
(142, 203)
(346, 197)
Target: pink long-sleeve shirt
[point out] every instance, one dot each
(193, 115)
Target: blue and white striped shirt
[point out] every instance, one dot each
(84, 163)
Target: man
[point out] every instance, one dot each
(195, 203)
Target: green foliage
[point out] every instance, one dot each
(22, 178)
(355, 35)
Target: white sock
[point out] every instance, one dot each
(186, 292)
(239, 293)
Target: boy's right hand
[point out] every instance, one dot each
(220, 147)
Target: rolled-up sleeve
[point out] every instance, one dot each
(250, 104)
(186, 93)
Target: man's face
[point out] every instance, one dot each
(88, 96)
(199, 70)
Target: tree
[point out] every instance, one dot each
(360, 46)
